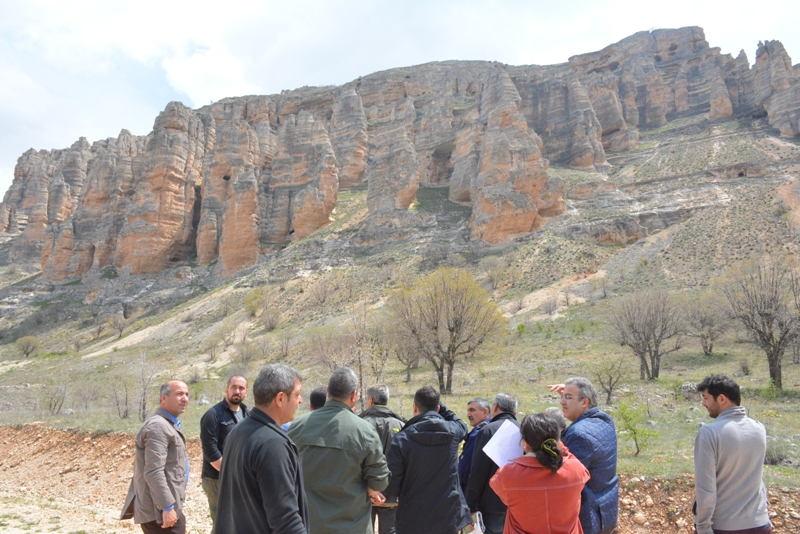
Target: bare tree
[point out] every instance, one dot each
(284, 343)
(146, 372)
(651, 325)
(271, 317)
(330, 345)
(264, 347)
(550, 306)
(121, 389)
(321, 291)
(87, 393)
(228, 304)
(608, 374)
(27, 345)
(764, 298)
(227, 333)
(494, 269)
(407, 356)
(705, 320)
(55, 395)
(246, 353)
(211, 346)
(447, 316)
(117, 323)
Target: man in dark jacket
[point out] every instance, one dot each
(422, 460)
(387, 423)
(480, 496)
(592, 439)
(215, 425)
(261, 483)
(478, 411)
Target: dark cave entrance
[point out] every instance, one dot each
(188, 249)
(441, 168)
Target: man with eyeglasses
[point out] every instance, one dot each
(592, 439)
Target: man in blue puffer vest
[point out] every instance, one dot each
(592, 439)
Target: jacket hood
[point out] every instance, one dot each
(380, 411)
(428, 429)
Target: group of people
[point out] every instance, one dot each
(334, 471)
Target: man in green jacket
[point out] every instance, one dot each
(344, 468)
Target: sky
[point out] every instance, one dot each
(72, 68)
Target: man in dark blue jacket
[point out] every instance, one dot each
(592, 439)
(422, 459)
(478, 411)
(480, 496)
(215, 425)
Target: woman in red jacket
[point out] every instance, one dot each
(543, 488)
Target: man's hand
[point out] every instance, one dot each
(216, 464)
(168, 518)
(376, 497)
(557, 388)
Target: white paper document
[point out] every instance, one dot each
(505, 445)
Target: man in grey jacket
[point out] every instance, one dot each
(161, 467)
(387, 424)
(728, 464)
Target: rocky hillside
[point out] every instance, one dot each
(229, 184)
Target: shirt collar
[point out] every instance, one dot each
(172, 418)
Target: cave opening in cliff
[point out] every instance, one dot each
(188, 249)
(441, 168)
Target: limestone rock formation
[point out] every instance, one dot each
(232, 181)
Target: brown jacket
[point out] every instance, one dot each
(159, 471)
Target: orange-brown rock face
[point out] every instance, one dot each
(160, 218)
(230, 181)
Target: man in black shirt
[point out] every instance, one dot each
(215, 426)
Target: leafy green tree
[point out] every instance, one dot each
(630, 417)
(447, 316)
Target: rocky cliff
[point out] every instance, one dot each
(229, 182)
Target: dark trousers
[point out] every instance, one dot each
(610, 530)
(494, 522)
(211, 489)
(154, 527)
(386, 519)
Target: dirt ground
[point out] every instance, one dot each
(55, 480)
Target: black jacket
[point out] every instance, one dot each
(215, 425)
(423, 460)
(481, 497)
(261, 483)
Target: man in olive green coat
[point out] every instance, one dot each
(344, 469)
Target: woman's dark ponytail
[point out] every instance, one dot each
(542, 434)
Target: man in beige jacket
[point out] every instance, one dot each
(161, 467)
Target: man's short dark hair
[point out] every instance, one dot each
(317, 398)
(235, 376)
(165, 390)
(273, 379)
(379, 394)
(427, 399)
(717, 385)
(506, 403)
(342, 383)
(482, 403)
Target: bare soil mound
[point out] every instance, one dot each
(67, 481)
